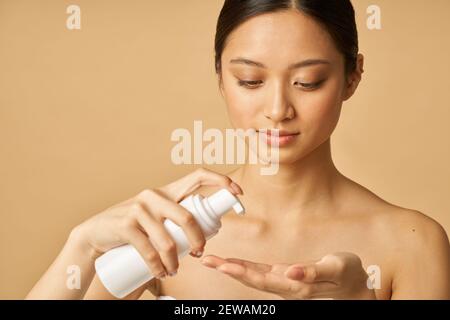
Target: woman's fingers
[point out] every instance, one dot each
(247, 276)
(179, 189)
(215, 261)
(295, 272)
(269, 278)
(261, 267)
(261, 280)
(162, 208)
(327, 269)
(161, 240)
(252, 274)
(150, 208)
(141, 242)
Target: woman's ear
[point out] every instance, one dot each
(354, 78)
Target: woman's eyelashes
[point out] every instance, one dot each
(250, 84)
(307, 86)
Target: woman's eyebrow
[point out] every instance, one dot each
(304, 63)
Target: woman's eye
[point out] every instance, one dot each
(308, 85)
(251, 84)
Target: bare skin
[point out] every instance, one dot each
(309, 232)
(410, 248)
(403, 243)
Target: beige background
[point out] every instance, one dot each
(86, 115)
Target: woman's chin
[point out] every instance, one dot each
(283, 156)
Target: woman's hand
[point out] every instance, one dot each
(141, 218)
(137, 221)
(337, 276)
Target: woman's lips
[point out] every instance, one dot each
(283, 138)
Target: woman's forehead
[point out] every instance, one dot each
(287, 35)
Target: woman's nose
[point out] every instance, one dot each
(278, 107)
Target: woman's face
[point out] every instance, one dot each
(282, 71)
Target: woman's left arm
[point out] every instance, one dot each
(337, 276)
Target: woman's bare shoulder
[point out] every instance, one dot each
(418, 250)
(405, 228)
(403, 217)
(416, 232)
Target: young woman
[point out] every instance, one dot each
(309, 231)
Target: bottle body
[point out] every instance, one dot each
(122, 270)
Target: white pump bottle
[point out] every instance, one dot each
(122, 270)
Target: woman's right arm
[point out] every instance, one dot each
(137, 221)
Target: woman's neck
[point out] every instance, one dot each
(307, 186)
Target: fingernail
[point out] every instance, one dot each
(299, 272)
(173, 273)
(196, 253)
(236, 188)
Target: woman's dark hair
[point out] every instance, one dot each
(337, 16)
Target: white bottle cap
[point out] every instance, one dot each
(222, 201)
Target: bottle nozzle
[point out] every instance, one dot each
(238, 208)
(223, 200)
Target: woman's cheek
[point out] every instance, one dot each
(239, 115)
(242, 109)
(321, 113)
